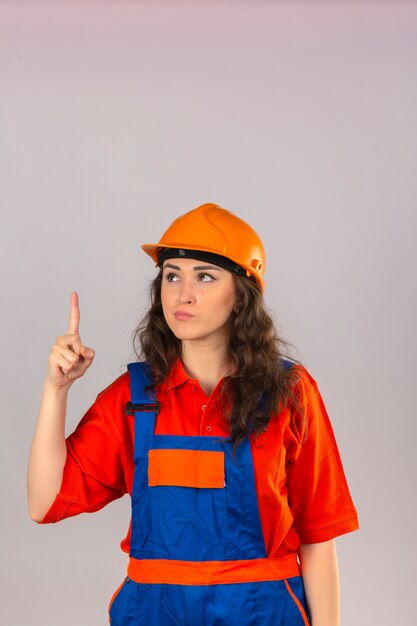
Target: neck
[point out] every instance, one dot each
(206, 364)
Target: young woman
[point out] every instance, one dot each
(225, 446)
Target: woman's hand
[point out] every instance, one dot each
(69, 358)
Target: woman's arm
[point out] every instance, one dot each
(69, 359)
(320, 572)
(48, 452)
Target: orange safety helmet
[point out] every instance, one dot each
(212, 229)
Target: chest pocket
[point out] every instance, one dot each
(185, 505)
(202, 469)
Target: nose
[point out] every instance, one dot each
(186, 292)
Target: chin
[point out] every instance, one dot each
(187, 334)
(184, 336)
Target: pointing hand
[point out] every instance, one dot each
(69, 358)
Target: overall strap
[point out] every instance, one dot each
(141, 398)
(143, 405)
(286, 364)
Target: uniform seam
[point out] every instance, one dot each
(332, 452)
(340, 521)
(296, 601)
(67, 502)
(62, 512)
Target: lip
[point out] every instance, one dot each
(183, 315)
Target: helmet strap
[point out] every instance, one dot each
(199, 255)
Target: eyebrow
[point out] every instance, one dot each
(196, 267)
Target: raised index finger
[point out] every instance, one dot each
(74, 320)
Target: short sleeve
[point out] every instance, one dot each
(96, 467)
(318, 492)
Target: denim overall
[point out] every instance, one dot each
(197, 553)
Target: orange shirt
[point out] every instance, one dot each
(303, 496)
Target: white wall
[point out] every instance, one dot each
(115, 117)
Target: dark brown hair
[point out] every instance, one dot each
(260, 386)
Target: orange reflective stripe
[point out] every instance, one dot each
(165, 571)
(298, 603)
(186, 468)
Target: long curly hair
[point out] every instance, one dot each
(260, 386)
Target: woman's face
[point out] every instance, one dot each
(197, 300)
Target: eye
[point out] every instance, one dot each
(170, 277)
(205, 278)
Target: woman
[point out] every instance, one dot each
(226, 448)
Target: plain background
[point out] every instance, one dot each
(115, 117)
